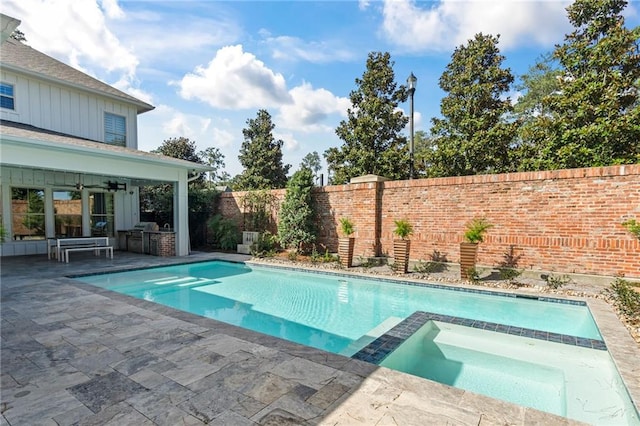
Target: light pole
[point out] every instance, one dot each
(411, 82)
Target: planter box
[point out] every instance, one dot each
(468, 254)
(401, 254)
(345, 251)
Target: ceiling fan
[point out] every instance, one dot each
(108, 185)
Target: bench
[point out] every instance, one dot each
(64, 245)
(108, 250)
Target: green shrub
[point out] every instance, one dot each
(265, 246)
(625, 298)
(346, 226)
(509, 266)
(225, 233)
(403, 228)
(555, 282)
(426, 267)
(476, 229)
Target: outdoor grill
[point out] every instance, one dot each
(137, 239)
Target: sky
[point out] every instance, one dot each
(208, 66)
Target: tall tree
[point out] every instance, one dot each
(594, 118)
(213, 157)
(261, 155)
(296, 223)
(371, 134)
(474, 135)
(312, 162)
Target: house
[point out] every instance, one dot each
(69, 163)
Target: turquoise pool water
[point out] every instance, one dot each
(571, 381)
(345, 314)
(332, 312)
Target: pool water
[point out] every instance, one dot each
(567, 380)
(332, 312)
(345, 314)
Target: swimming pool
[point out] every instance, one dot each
(341, 313)
(333, 312)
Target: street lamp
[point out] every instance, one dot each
(411, 82)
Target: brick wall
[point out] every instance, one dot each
(564, 220)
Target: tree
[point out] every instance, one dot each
(474, 135)
(261, 156)
(312, 162)
(594, 117)
(371, 134)
(214, 158)
(540, 81)
(156, 202)
(296, 223)
(18, 35)
(181, 147)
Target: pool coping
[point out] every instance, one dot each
(621, 347)
(617, 344)
(376, 351)
(383, 395)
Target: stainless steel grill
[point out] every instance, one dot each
(137, 239)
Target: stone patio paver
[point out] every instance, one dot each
(76, 354)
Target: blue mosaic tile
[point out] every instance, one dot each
(380, 348)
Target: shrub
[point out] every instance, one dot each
(224, 231)
(555, 282)
(346, 226)
(509, 266)
(265, 246)
(296, 227)
(476, 229)
(403, 228)
(625, 298)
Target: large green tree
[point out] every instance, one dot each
(474, 134)
(296, 221)
(373, 143)
(261, 156)
(594, 117)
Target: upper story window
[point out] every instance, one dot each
(6, 96)
(115, 129)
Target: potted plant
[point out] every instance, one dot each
(473, 235)
(401, 246)
(346, 242)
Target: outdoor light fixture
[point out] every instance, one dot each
(412, 80)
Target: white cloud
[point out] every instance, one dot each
(450, 23)
(235, 79)
(310, 109)
(73, 31)
(291, 144)
(112, 8)
(293, 48)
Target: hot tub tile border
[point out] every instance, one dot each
(379, 349)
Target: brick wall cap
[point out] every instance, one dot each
(368, 178)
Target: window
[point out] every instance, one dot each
(101, 214)
(115, 129)
(27, 213)
(6, 96)
(67, 210)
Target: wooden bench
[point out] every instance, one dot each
(108, 250)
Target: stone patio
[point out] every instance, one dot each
(73, 354)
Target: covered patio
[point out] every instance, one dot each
(53, 184)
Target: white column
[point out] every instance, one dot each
(181, 215)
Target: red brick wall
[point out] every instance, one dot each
(564, 220)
